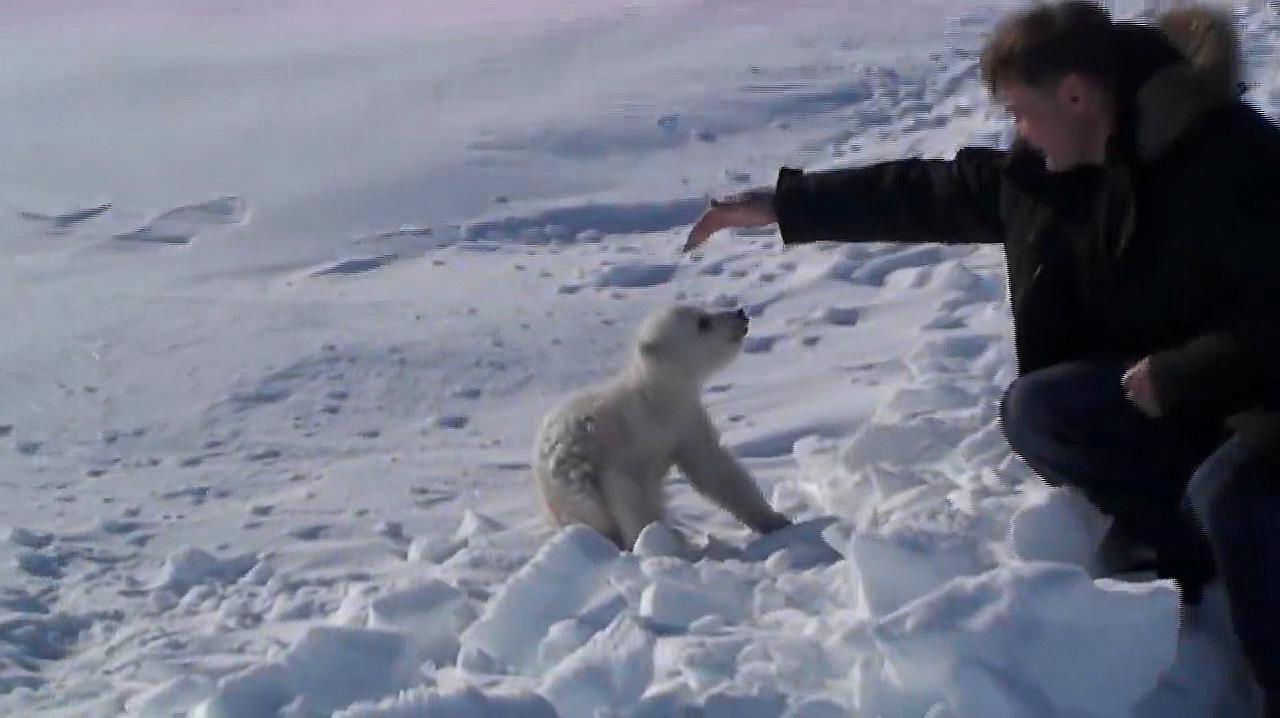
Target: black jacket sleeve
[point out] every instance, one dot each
(1230, 368)
(910, 200)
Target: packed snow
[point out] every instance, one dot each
(288, 287)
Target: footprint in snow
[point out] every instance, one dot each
(41, 565)
(354, 265)
(635, 275)
(875, 271)
(308, 533)
(119, 526)
(264, 455)
(60, 222)
(197, 494)
(183, 224)
(946, 322)
(28, 538)
(452, 421)
(840, 316)
(759, 345)
(424, 496)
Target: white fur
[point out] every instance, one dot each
(600, 458)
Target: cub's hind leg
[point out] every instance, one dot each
(576, 500)
(633, 503)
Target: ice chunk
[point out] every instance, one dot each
(889, 571)
(673, 605)
(1089, 647)
(659, 539)
(432, 614)
(612, 670)
(1057, 524)
(189, 566)
(554, 585)
(426, 702)
(329, 668)
(978, 691)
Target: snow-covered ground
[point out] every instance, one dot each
(286, 287)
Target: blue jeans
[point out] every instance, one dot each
(1237, 502)
(1189, 491)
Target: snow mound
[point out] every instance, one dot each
(1024, 637)
(1057, 524)
(559, 579)
(189, 566)
(423, 702)
(329, 668)
(889, 571)
(613, 669)
(432, 614)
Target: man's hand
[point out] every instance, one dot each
(1139, 390)
(752, 208)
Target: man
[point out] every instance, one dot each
(1138, 210)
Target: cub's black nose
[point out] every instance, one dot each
(742, 314)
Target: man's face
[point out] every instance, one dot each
(1055, 120)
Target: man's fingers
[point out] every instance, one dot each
(734, 210)
(706, 226)
(695, 239)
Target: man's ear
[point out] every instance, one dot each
(1079, 92)
(1070, 89)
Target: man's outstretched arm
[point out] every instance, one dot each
(910, 200)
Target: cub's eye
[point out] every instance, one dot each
(704, 324)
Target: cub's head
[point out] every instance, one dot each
(689, 342)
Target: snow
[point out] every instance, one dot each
(1044, 633)
(559, 579)
(432, 614)
(612, 669)
(294, 285)
(422, 702)
(1057, 524)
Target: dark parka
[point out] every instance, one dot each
(1171, 249)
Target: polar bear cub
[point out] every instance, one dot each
(600, 458)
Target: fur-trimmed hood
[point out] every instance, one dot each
(1169, 91)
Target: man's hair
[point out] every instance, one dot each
(1041, 45)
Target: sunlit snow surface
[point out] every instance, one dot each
(287, 286)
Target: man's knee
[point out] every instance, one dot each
(1024, 414)
(1223, 494)
(1040, 406)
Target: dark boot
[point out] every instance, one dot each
(1186, 557)
(1165, 542)
(1191, 575)
(1118, 553)
(1270, 707)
